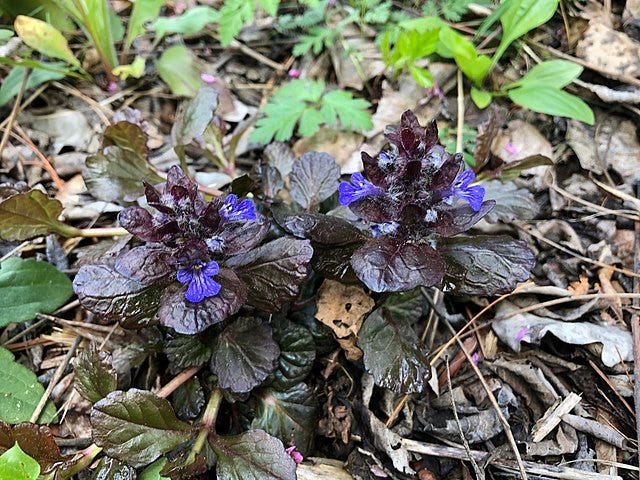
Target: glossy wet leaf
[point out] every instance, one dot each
(190, 350)
(37, 441)
(392, 353)
(273, 272)
(387, 264)
(136, 426)
(512, 202)
(20, 392)
(252, 455)
(297, 354)
(118, 171)
(17, 465)
(31, 214)
(323, 229)
(486, 265)
(188, 399)
(314, 177)
(102, 290)
(187, 317)
(29, 287)
(45, 38)
(289, 415)
(95, 378)
(408, 306)
(245, 355)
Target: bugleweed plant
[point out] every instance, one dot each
(222, 289)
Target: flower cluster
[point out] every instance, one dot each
(411, 194)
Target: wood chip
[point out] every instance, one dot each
(553, 416)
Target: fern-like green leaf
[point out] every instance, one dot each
(352, 112)
(317, 39)
(233, 15)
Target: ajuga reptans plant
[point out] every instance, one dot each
(414, 198)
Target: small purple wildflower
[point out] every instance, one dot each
(201, 285)
(387, 228)
(294, 454)
(472, 194)
(523, 332)
(112, 86)
(232, 211)
(294, 73)
(511, 149)
(357, 189)
(215, 244)
(475, 358)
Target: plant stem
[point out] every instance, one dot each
(88, 455)
(207, 424)
(102, 232)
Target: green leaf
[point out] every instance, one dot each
(252, 455)
(137, 426)
(270, 6)
(17, 465)
(29, 287)
(233, 15)
(452, 44)
(422, 76)
(191, 350)
(31, 214)
(95, 378)
(289, 416)
(481, 98)
(520, 17)
(135, 69)
(143, 11)
(46, 10)
(352, 112)
(245, 355)
(20, 392)
(392, 353)
(5, 34)
(189, 23)
(552, 74)
(177, 67)
(552, 101)
(118, 171)
(152, 472)
(12, 82)
(44, 38)
(315, 40)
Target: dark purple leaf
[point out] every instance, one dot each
(118, 171)
(456, 220)
(297, 354)
(190, 350)
(146, 264)
(512, 170)
(378, 209)
(273, 272)
(392, 353)
(245, 354)
(289, 416)
(486, 265)
(373, 171)
(241, 237)
(252, 455)
(95, 378)
(448, 171)
(108, 294)
(188, 399)
(137, 426)
(410, 138)
(334, 262)
(314, 177)
(512, 203)
(37, 441)
(324, 229)
(387, 264)
(186, 317)
(139, 222)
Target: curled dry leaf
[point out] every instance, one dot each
(342, 307)
(612, 51)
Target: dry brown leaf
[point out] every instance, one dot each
(350, 347)
(579, 287)
(612, 51)
(363, 64)
(604, 275)
(343, 307)
(343, 146)
(520, 140)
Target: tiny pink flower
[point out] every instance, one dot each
(294, 73)
(207, 78)
(511, 149)
(295, 454)
(436, 91)
(523, 332)
(179, 7)
(112, 86)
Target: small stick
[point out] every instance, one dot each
(635, 326)
(178, 380)
(460, 125)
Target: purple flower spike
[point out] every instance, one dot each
(461, 189)
(201, 285)
(232, 211)
(357, 189)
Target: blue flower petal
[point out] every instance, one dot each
(472, 194)
(231, 211)
(185, 275)
(201, 285)
(357, 189)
